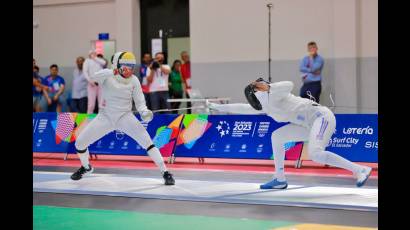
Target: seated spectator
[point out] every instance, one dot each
(56, 84)
(36, 69)
(79, 89)
(175, 84)
(37, 88)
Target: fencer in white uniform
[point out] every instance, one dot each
(119, 88)
(309, 121)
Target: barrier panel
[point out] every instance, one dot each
(207, 136)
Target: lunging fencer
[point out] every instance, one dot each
(119, 88)
(309, 121)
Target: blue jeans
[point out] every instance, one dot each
(53, 106)
(159, 100)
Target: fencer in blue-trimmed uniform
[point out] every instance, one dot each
(119, 88)
(309, 121)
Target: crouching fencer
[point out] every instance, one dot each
(119, 88)
(309, 121)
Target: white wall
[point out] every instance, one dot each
(229, 42)
(229, 45)
(237, 30)
(65, 31)
(66, 28)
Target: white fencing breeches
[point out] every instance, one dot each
(318, 137)
(103, 123)
(94, 92)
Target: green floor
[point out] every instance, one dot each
(53, 218)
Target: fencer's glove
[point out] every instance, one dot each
(147, 116)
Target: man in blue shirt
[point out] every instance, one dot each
(311, 69)
(56, 85)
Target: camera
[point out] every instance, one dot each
(155, 65)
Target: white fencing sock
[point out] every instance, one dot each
(84, 156)
(279, 159)
(156, 156)
(329, 158)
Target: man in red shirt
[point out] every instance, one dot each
(186, 75)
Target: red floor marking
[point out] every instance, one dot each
(191, 164)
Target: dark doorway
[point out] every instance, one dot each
(170, 16)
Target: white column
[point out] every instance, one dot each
(345, 53)
(127, 15)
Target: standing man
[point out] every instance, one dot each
(157, 76)
(146, 61)
(186, 75)
(120, 87)
(311, 69)
(79, 89)
(91, 65)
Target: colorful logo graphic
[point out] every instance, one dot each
(69, 125)
(193, 126)
(293, 150)
(223, 128)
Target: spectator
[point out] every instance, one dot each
(91, 65)
(311, 68)
(37, 88)
(146, 61)
(157, 77)
(56, 85)
(175, 84)
(106, 61)
(36, 69)
(79, 89)
(186, 75)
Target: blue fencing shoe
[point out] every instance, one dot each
(274, 184)
(363, 175)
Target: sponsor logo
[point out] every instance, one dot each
(212, 147)
(358, 131)
(371, 145)
(39, 141)
(345, 142)
(263, 128)
(223, 128)
(42, 125)
(243, 148)
(119, 135)
(111, 145)
(242, 128)
(259, 148)
(227, 148)
(125, 145)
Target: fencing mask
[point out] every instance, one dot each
(250, 91)
(125, 63)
